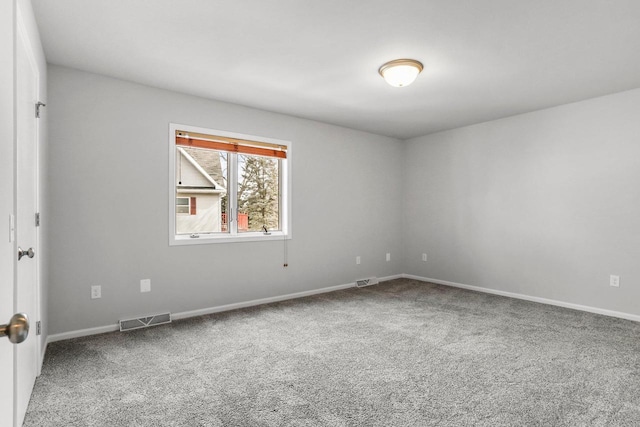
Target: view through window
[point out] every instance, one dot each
(228, 186)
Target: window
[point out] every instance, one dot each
(186, 205)
(227, 187)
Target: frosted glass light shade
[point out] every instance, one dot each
(401, 72)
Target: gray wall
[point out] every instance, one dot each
(545, 204)
(109, 215)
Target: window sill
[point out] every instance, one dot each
(206, 239)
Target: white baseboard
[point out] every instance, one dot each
(586, 308)
(82, 333)
(387, 278)
(261, 301)
(252, 303)
(209, 310)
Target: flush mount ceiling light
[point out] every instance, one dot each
(400, 72)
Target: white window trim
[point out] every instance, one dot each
(206, 238)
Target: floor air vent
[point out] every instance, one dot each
(367, 282)
(145, 322)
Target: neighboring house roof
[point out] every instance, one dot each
(207, 161)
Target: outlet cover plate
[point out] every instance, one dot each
(145, 285)
(96, 292)
(614, 281)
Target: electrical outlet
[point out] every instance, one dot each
(614, 281)
(424, 257)
(145, 285)
(388, 256)
(358, 260)
(96, 292)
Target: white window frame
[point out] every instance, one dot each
(233, 235)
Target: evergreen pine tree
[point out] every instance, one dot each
(258, 192)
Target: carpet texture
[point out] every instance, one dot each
(402, 353)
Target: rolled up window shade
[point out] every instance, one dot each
(234, 145)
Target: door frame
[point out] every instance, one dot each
(22, 34)
(30, 51)
(7, 193)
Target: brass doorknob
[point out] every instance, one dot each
(17, 330)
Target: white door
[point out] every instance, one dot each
(26, 207)
(7, 248)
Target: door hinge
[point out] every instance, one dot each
(38, 105)
(38, 327)
(38, 219)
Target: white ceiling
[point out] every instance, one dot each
(484, 59)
